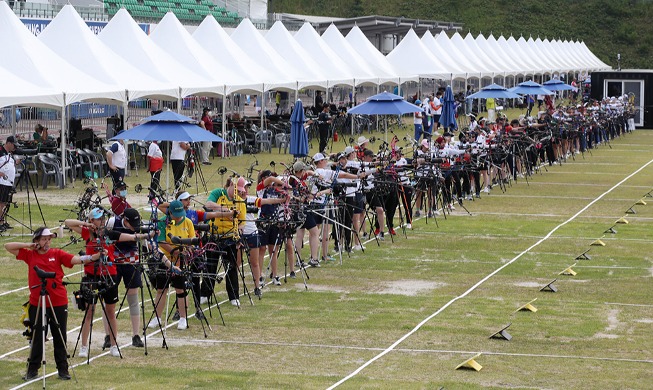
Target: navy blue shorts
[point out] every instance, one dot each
(269, 235)
(359, 203)
(130, 274)
(253, 240)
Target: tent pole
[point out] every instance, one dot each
(262, 105)
(12, 117)
(63, 140)
(125, 107)
(353, 91)
(224, 125)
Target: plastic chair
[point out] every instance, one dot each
(49, 169)
(282, 140)
(87, 163)
(98, 162)
(263, 140)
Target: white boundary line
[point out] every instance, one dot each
(27, 287)
(474, 287)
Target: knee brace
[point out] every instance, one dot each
(182, 295)
(133, 304)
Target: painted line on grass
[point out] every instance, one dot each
(27, 287)
(486, 278)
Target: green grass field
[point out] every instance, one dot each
(595, 332)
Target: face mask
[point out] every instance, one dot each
(123, 193)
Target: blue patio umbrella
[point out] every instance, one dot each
(168, 131)
(385, 103)
(448, 117)
(298, 138)
(168, 126)
(493, 91)
(169, 116)
(558, 85)
(530, 88)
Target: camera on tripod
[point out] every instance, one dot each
(84, 296)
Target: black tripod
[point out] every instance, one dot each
(41, 325)
(89, 294)
(30, 186)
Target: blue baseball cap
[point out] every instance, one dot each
(176, 209)
(96, 213)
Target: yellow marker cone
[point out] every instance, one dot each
(470, 364)
(641, 202)
(528, 307)
(598, 243)
(569, 271)
(622, 221)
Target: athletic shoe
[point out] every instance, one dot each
(154, 323)
(392, 232)
(200, 315)
(83, 351)
(136, 341)
(409, 226)
(486, 190)
(235, 302)
(261, 280)
(313, 263)
(175, 317)
(64, 375)
(204, 300)
(292, 273)
(299, 264)
(276, 281)
(358, 248)
(182, 324)
(114, 351)
(258, 292)
(417, 214)
(381, 236)
(377, 231)
(29, 375)
(107, 342)
(328, 258)
(365, 235)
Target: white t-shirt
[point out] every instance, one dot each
(250, 218)
(436, 103)
(8, 168)
(154, 151)
(176, 152)
(328, 176)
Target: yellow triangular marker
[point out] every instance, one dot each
(470, 364)
(569, 271)
(528, 307)
(622, 221)
(598, 243)
(641, 202)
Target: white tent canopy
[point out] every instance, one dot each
(28, 58)
(15, 91)
(175, 40)
(123, 35)
(313, 73)
(464, 57)
(336, 71)
(71, 38)
(375, 60)
(411, 56)
(250, 40)
(456, 67)
(217, 43)
(362, 73)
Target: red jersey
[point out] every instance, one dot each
(50, 261)
(118, 204)
(96, 268)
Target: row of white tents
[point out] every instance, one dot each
(68, 63)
